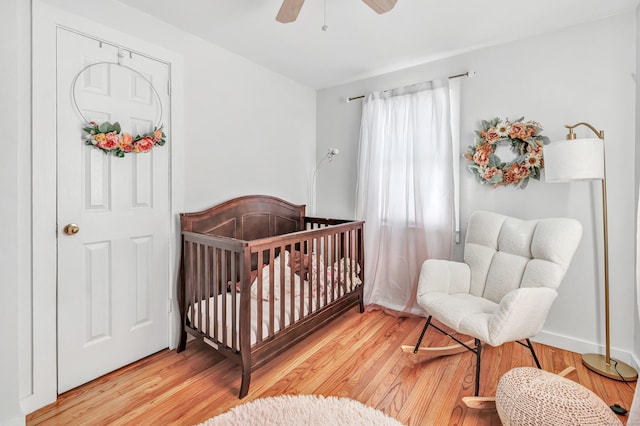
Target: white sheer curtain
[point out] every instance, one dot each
(404, 190)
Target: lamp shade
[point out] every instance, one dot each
(577, 159)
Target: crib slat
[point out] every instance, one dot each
(314, 264)
(341, 263)
(207, 287)
(201, 284)
(283, 300)
(300, 287)
(234, 306)
(351, 260)
(325, 254)
(306, 255)
(345, 262)
(332, 266)
(292, 296)
(354, 261)
(216, 294)
(223, 295)
(272, 294)
(259, 299)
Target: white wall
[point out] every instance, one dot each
(251, 131)
(13, 87)
(8, 225)
(583, 73)
(637, 196)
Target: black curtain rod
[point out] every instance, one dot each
(466, 74)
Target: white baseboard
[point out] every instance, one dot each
(35, 401)
(582, 347)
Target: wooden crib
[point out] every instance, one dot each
(257, 276)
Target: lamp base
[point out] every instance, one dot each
(616, 370)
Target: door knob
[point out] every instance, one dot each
(71, 229)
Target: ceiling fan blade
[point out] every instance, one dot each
(289, 11)
(380, 6)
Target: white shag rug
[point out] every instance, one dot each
(295, 410)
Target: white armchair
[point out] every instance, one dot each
(505, 288)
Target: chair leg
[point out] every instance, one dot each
(533, 353)
(478, 350)
(415, 351)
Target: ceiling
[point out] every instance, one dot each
(360, 43)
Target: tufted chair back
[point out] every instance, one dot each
(505, 253)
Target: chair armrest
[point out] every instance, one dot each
(520, 314)
(444, 276)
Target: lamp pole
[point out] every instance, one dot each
(597, 363)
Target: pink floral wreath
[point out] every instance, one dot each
(108, 138)
(526, 141)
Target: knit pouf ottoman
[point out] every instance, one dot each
(530, 396)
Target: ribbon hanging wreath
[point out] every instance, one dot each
(526, 142)
(109, 137)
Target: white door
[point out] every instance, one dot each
(113, 277)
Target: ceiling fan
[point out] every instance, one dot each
(290, 8)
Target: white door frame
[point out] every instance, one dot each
(46, 20)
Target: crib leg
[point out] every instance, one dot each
(244, 386)
(182, 343)
(246, 372)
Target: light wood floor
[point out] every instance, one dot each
(356, 356)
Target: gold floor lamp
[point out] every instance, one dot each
(576, 160)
